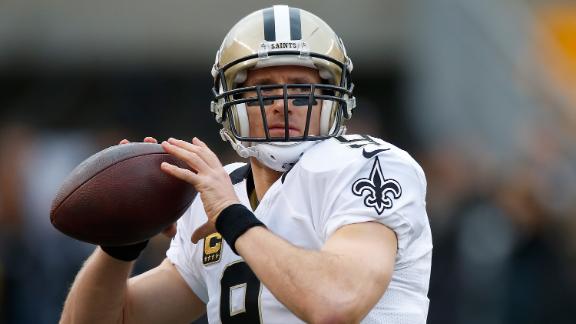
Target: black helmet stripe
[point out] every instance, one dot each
(276, 21)
(295, 24)
(269, 29)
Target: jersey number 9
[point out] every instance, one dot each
(239, 295)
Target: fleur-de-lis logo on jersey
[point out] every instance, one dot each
(380, 191)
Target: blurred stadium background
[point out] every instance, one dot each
(481, 92)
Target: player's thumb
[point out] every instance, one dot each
(202, 231)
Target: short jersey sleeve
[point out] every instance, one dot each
(389, 188)
(182, 253)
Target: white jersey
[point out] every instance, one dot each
(339, 181)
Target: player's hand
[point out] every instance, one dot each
(210, 179)
(170, 231)
(147, 139)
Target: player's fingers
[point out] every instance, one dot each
(170, 231)
(182, 174)
(183, 144)
(149, 139)
(202, 231)
(191, 158)
(210, 157)
(203, 152)
(199, 142)
(124, 141)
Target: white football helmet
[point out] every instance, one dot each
(280, 35)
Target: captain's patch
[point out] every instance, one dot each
(212, 249)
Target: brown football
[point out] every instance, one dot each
(120, 196)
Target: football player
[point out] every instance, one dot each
(318, 227)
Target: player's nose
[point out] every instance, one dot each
(282, 105)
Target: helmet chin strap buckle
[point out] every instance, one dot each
(242, 151)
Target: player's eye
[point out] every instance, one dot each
(303, 102)
(267, 102)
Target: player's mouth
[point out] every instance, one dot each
(279, 130)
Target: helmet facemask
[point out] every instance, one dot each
(281, 36)
(335, 102)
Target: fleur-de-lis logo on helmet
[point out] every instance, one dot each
(380, 191)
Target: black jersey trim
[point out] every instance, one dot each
(243, 172)
(249, 181)
(240, 174)
(283, 177)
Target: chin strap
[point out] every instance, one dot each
(277, 156)
(242, 150)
